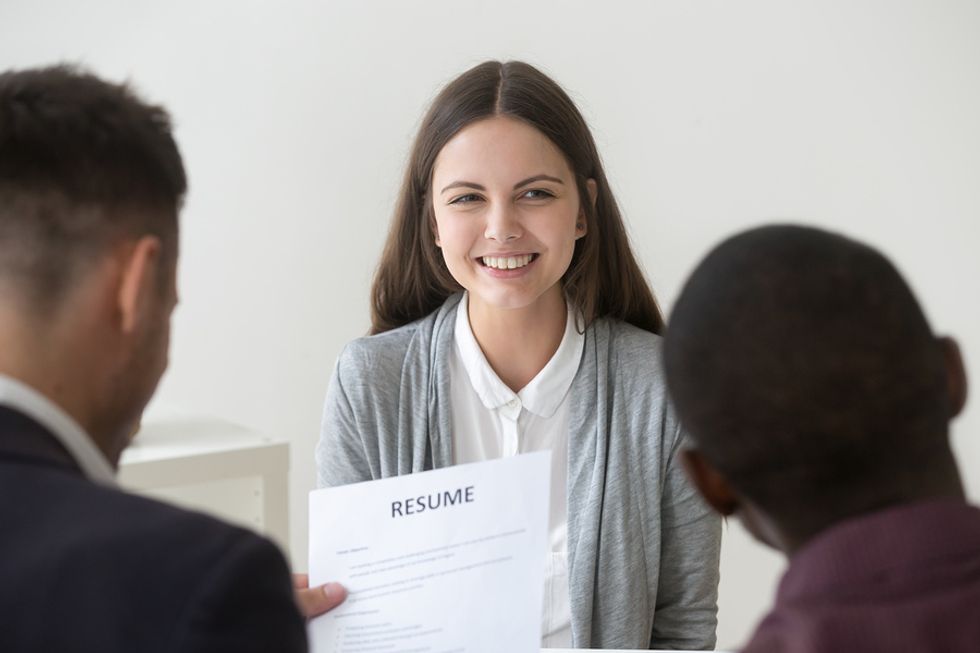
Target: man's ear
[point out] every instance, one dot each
(955, 375)
(709, 482)
(139, 277)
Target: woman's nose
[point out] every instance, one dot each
(502, 224)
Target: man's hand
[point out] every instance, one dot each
(315, 601)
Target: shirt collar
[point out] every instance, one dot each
(546, 391)
(73, 438)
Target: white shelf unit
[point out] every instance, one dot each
(215, 467)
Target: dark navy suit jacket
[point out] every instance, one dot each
(90, 568)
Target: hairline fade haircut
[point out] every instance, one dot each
(804, 369)
(603, 279)
(83, 163)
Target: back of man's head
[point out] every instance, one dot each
(91, 182)
(83, 163)
(807, 375)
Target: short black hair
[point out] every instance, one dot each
(82, 162)
(804, 369)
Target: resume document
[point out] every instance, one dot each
(445, 561)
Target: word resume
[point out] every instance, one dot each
(444, 561)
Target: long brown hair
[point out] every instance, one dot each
(603, 278)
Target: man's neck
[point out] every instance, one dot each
(941, 481)
(39, 359)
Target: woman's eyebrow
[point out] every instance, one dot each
(523, 182)
(531, 180)
(462, 184)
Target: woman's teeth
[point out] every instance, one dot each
(507, 262)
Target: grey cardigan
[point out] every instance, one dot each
(642, 547)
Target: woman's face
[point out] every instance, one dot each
(507, 213)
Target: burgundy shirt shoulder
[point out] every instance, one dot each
(906, 578)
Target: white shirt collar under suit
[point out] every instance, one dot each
(20, 396)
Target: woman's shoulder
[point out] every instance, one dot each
(635, 370)
(377, 352)
(391, 350)
(630, 344)
(634, 358)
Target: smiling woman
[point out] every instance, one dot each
(510, 315)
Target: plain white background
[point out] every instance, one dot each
(295, 119)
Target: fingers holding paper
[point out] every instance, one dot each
(314, 601)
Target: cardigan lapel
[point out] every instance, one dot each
(424, 412)
(587, 479)
(440, 398)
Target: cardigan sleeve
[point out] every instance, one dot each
(687, 597)
(342, 452)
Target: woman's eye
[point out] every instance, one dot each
(538, 194)
(465, 199)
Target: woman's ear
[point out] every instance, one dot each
(593, 189)
(430, 217)
(581, 224)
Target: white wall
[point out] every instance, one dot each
(295, 119)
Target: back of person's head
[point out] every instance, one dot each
(83, 163)
(807, 375)
(603, 278)
(91, 182)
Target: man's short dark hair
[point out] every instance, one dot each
(804, 369)
(83, 162)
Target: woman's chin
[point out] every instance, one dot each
(514, 299)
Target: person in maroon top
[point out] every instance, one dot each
(818, 401)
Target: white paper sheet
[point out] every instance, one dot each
(446, 561)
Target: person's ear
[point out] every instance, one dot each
(433, 226)
(139, 278)
(709, 482)
(581, 224)
(593, 188)
(956, 382)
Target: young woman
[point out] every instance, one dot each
(510, 315)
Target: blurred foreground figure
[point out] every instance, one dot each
(819, 402)
(90, 186)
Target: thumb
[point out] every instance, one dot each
(314, 601)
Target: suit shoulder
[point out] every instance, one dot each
(233, 584)
(156, 526)
(180, 573)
